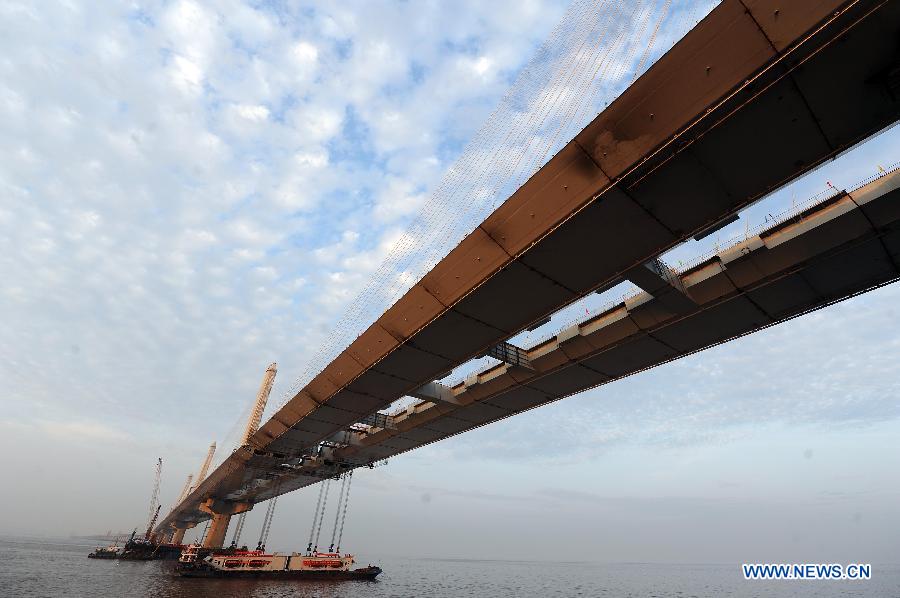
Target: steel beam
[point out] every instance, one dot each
(435, 392)
(510, 354)
(662, 282)
(378, 420)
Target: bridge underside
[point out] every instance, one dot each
(754, 96)
(842, 247)
(846, 246)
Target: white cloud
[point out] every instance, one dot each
(192, 30)
(482, 65)
(187, 75)
(316, 159)
(252, 113)
(397, 198)
(82, 431)
(305, 54)
(316, 123)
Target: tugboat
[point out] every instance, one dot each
(261, 565)
(113, 551)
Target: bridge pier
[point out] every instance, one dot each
(218, 527)
(221, 512)
(178, 529)
(178, 535)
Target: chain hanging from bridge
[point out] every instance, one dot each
(337, 511)
(321, 515)
(341, 505)
(267, 520)
(267, 524)
(238, 529)
(349, 478)
(203, 535)
(312, 530)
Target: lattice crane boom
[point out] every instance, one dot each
(187, 488)
(262, 396)
(204, 469)
(154, 497)
(152, 523)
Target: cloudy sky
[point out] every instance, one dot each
(189, 191)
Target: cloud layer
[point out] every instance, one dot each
(189, 190)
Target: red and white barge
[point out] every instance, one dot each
(195, 562)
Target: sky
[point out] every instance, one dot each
(190, 191)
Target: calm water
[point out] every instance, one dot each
(30, 568)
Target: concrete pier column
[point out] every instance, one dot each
(178, 535)
(218, 527)
(221, 512)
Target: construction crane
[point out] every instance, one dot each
(184, 490)
(152, 523)
(262, 397)
(204, 469)
(154, 498)
(220, 523)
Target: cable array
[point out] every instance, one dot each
(238, 529)
(267, 524)
(312, 530)
(343, 497)
(321, 515)
(349, 478)
(597, 50)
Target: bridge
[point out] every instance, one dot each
(757, 94)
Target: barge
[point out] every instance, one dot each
(258, 564)
(112, 551)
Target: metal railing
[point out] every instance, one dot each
(671, 273)
(379, 420)
(510, 354)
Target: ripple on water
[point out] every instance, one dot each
(45, 569)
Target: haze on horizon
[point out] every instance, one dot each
(190, 191)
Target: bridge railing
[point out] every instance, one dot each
(796, 209)
(672, 273)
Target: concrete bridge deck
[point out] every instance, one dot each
(758, 93)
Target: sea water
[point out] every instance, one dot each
(60, 568)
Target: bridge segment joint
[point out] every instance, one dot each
(435, 392)
(663, 283)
